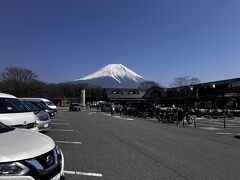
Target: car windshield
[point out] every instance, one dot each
(4, 128)
(40, 104)
(49, 103)
(75, 104)
(31, 106)
(12, 105)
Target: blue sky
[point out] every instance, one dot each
(158, 39)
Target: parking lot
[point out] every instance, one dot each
(97, 145)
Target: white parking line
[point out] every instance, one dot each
(83, 173)
(65, 124)
(224, 133)
(126, 119)
(68, 142)
(59, 120)
(210, 125)
(106, 114)
(64, 130)
(91, 113)
(118, 117)
(210, 128)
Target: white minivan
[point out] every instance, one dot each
(47, 102)
(14, 113)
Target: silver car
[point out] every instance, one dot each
(43, 121)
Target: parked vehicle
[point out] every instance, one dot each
(15, 113)
(48, 103)
(43, 119)
(106, 107)
(41, 105)
(29, 154)
(74, 107)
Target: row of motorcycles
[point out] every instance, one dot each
(171, 115)
(164, 115)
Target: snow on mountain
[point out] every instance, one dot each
(113, 75)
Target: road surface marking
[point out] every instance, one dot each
(64, 130)
(210, 128)
(126, 119)
(210, 125)
(83, 173)
(68, 142)
(224, 133)
(91, 113)
(59, 120)
(64, 124)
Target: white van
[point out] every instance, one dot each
(14, 113)
(48, 103)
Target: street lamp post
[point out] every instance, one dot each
(197, 97)
(214, 86)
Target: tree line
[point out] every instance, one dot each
(23, 82)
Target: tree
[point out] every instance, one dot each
(18, 81)
(184, 81)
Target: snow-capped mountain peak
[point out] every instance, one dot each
(116, 71)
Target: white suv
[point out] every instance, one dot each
(29, 155)
(14, 113)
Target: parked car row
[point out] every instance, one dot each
(24, 152)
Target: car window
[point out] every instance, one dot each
(40, 104)
(49, 103)
(12, 105)
(31, 106)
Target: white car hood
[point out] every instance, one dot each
(21, 144)
(12, 119)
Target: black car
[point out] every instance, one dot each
(74, 107)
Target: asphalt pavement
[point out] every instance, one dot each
(99, 146)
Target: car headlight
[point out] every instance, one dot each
(37, 118)
(58, 151)
(59, 154)
(14, 169)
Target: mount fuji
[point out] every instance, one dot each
(113, 76)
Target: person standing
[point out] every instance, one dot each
(112, 109)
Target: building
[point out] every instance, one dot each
(216, 94)
(124, 95)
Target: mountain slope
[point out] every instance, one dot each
(113, 76)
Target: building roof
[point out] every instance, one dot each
(228, 83)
